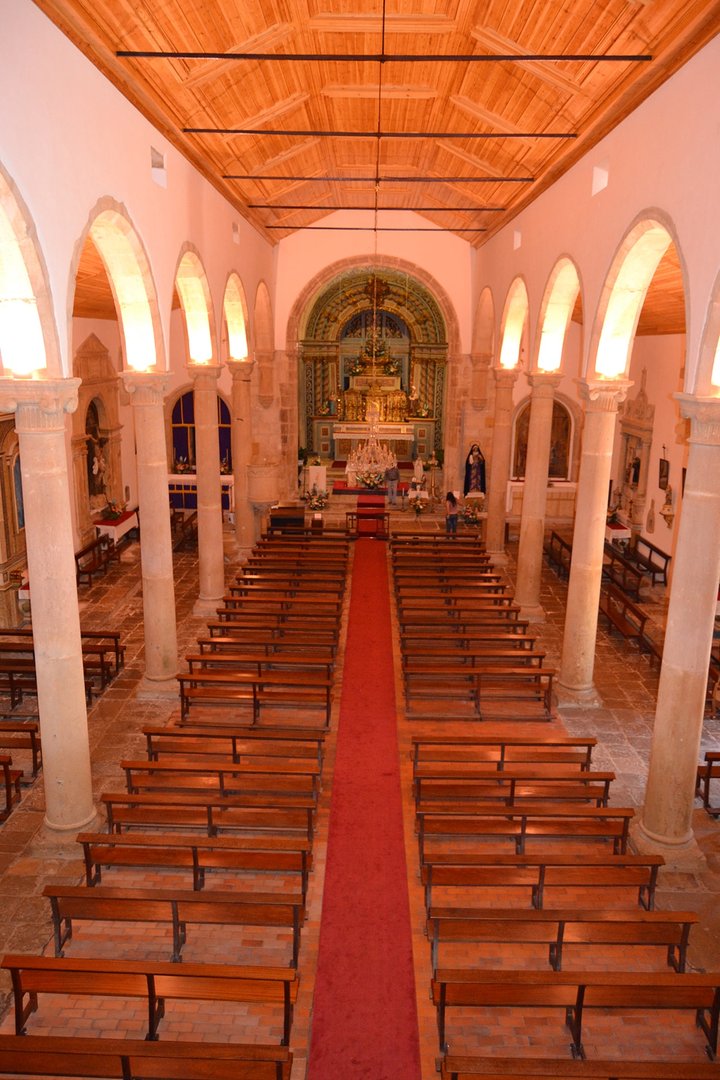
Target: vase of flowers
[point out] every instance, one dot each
(370, 479)
(417, 505)
(316, 500)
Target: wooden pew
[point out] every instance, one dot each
(289, 688)
(92, 559)
(558, 552)
(273, 630)
(135, 1059)
(520, 823)
(621, 571)
(211, 813)
(560, 928)
(22, 735)
(236, 741)
(522, 684)
(622, 613)
(574, 992)
(11, 783)
(33, 976)
(536, 873)
(707, 771)
(455, 1067)
(101, 636)
(240, 660)
(456, 783)
(505, 749)
(652, 559)
(177, 907)
(267, 643)
(448, 676)
(285, 855)
(223, 776)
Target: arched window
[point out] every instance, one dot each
(183, 448)
(560, 442)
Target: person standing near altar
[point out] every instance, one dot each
(392, 475)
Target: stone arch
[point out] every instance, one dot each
(128, 270)
(575, 417)
(556, 309)
(707, 379)
(28, 332)
(623, 294)
(235, 323)
(195, 300)
(514, 325)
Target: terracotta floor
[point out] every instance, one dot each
(31, 855)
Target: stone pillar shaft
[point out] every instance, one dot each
(677, 732)
(578, 655)
(211, 567)
(40, 408)
(532, 526)
(500, 464)
(241, 434)
(146, 389)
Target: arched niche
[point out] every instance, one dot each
(96, 436)
(373, 334)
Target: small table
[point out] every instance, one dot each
(615, 532)
(118, 527)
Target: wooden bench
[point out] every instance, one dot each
(18, 658)
(536, 873)
(92, 559)
(308, 604)
(708, 770)
(183, 528)
(526, 684)
(558, 552)
(472, 783)
(482, 615)
(267, 643)
(652, 559)
(559, 928)
(368, 521)
(158, 982)
(11, 783)
(451, 670)
(286, 855)
(177, 907)
(236, 741)
(537, 822)
(22, 735)
(620, 570)
(301, 588)
(622, 613)
(100, 636)
(280, 776)
(211, 813)
(135, 1059)
(455, 1067)
(508, 749)
(576, 991)
(273, 630)
(288, 688)
(240, 660)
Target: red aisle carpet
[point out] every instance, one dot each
(364, 1021)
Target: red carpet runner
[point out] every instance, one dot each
(364, 1014)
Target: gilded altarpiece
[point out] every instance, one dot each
(12, 524)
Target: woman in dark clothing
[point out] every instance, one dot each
(451, 514)
(474, 470)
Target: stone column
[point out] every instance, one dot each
(40, 407)
(146, 390)
(211, 566)
(241, 434)
(667, 814)
(602, 398)
(532, 525)
(500, 464)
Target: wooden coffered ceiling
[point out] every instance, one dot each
(461, 110)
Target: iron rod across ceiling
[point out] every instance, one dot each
(384, 134)
(383, 209)
(389, 58)
(388, 179)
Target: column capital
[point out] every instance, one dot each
(481, 359)
(39, 404)
(505, 378)
(544, 383)
(704, 416)
(604, 395)
(146, 387)
(204, 376)
(240, 369)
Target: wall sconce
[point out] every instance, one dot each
(666, 510)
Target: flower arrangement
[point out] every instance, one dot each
(417, 505)
(469, 515)
(182, 465)
(114, 511)
(316, 500)
(371, 479)
(391, 366)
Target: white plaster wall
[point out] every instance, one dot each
(664, 158)
(304, 254)
(68, 139)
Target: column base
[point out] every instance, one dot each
(206, 605)
(534, 613)
(683, 855)
(157, 688)
(498, 558)
(58, 830)
(569, 696)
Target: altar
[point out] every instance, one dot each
(337, 439)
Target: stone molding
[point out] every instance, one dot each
(603, 395)
(146, 387)
(39, 404)
(704, 416)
